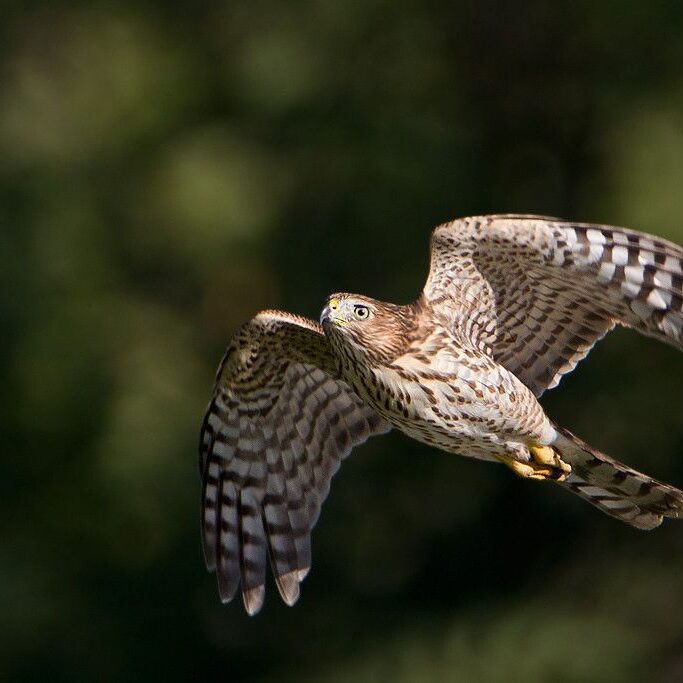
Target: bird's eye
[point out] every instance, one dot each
(361, 312)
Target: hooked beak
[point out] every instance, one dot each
(330, 314)
(325, 315)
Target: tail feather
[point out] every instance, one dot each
(615, 488)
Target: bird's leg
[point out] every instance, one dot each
(545, 464)
(548, 457)
(524, 469)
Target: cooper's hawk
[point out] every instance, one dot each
(511, 304)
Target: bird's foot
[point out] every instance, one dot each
(545, 464)
(548, 457)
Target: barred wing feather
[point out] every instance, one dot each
(537, 293)
(274, 434)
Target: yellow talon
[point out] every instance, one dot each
(545, 455)
(523, 469)
(545, 464)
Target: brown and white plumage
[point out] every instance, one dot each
(274, 434)
(538, 293)
(511, 304)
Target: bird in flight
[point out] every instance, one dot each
(511, 304)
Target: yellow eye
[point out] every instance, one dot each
(361, 312)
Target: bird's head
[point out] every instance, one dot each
(371, 329)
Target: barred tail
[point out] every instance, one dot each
(615, 488)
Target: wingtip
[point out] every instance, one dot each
(210, 562)
(226, 592)
(253, 599)
(288, 586)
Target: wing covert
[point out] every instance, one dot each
(274, 434)
(538, 293)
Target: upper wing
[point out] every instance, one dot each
(274, 434)
(537, 293)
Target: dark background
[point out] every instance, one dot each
(168, 169)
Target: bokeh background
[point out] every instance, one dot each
(168, 169)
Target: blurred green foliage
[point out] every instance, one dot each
(166, 170)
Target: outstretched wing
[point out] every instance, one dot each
(537, 293)
(277, 427)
